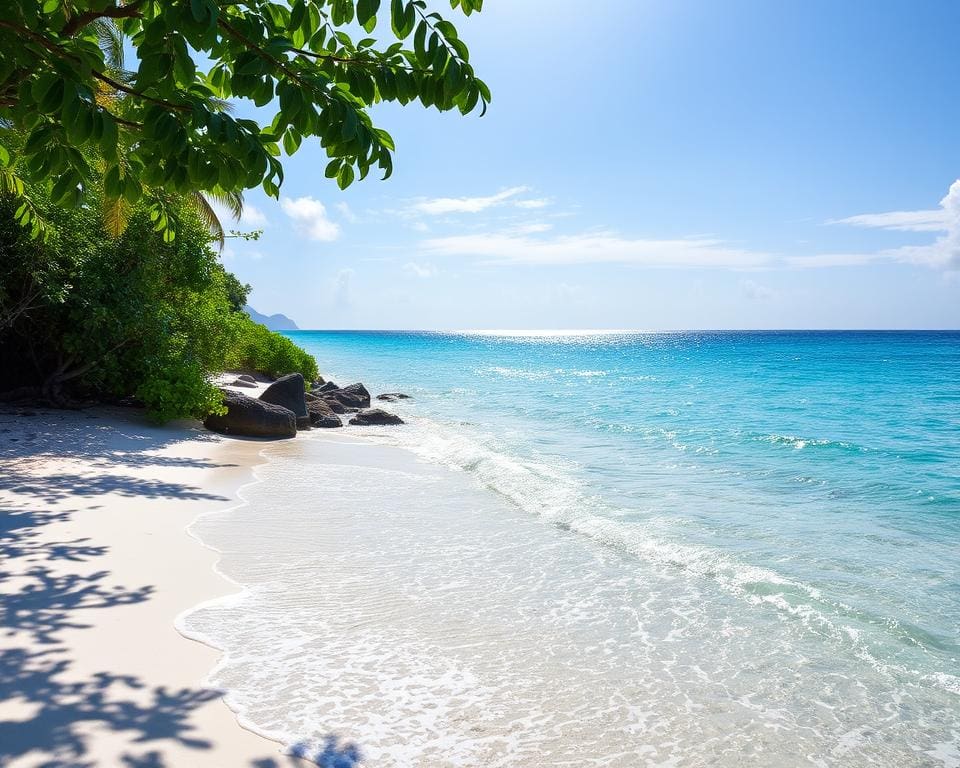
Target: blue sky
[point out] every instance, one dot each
(649, 165)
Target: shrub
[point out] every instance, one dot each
(259, 349)
(83, 315)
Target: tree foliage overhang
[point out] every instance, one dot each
(67, 98)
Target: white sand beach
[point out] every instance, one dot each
(95, 565)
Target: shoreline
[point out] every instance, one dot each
(98, 566)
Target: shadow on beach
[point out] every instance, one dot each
(56, 712)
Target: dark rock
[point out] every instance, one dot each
(335, 405)
(246, 377)
(328, 387)
(318, 382)
(352, 396)
(250, 417)
(322, 415)
(287, 391)
(310, 396)
(375, 416)
(392, 397)
(239, 382)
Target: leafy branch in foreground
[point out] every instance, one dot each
(164, 126)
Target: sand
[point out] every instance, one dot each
(95, 566)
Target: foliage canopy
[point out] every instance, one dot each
(86, 316)
(166, 124)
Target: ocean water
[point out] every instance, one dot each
(618, 549)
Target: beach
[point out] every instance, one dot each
(96, 566)
(627, 549)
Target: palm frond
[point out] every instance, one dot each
(218, 105)
(209, 217)
(110, 39)
(232, 201)
(10, 183)
(116, 216)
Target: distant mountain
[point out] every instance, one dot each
(273, 322)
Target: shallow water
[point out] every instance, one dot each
(662, 549)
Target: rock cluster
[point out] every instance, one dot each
(250, 417)
(286, 406)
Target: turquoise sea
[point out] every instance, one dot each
(609, 549)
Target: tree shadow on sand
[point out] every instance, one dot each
(50, 712)
(36, 605)
(54, 488)
(100, 437)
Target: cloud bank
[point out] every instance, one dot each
(439, 206)
(943, 253)
(310, 217)
(595, 248)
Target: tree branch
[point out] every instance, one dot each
(81, 20)
(139, 94)
(372, 63)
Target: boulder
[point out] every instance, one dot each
(310, 396)
(335, 405)
(352, 396)
(250, 417)
(375, 417)
(328, 387)
(287, 391)
(392, 397)
(322, 415)
(246, 377)
(318, 382)
(239, 382)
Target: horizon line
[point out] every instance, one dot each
(614, 331)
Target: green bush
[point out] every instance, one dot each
(259, 349)
(86, 316)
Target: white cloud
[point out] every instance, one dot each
(533, 243)
(535, 203)
(943, 253)
(420, 270)
(347, 213)
(439, 206)
(595, 248)
(252, 216)
(531, 228)
(901, 221)
(311, 218)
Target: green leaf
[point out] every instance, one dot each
(199, 10)
(110, 138)
(345, 177)
(396, 17)
(446, 29)
(452, 80)
(291, 141)
(419, 44)
(297, 14)
(367, 14)
(409, 20)
(111, 182)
